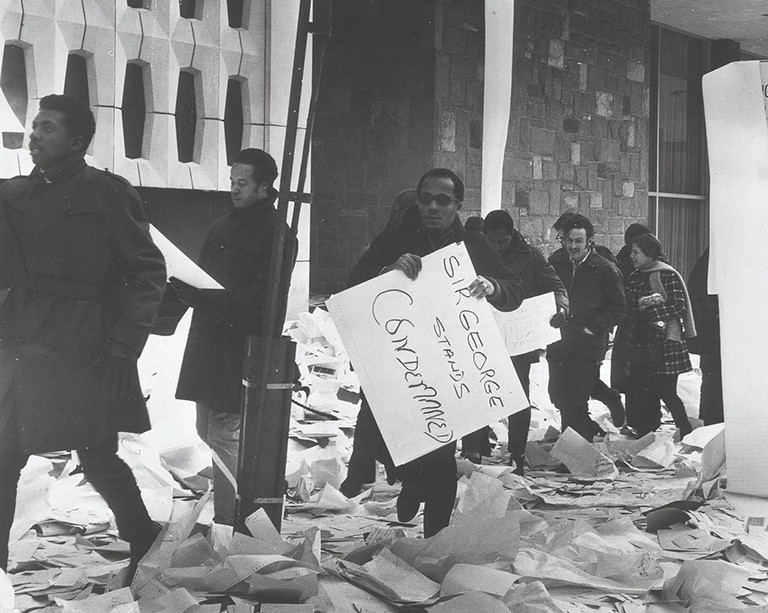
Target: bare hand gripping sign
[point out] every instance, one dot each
(429, 356)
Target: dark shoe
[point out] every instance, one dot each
(350, 489)
(473, 456)
(616, 408)
(408, 503)
(685, 429)
(519, 464)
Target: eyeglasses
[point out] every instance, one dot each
(442, 199)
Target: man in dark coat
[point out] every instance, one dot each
(88, 283)
(236, 253)
(431, 226)
(601, 392)
(706, 314)
(596, 304)
(538, 277)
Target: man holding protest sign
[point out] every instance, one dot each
(430, 226)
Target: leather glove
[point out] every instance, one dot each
(186, 293)
(559, 319)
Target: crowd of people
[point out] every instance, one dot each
(634, 297)
(83, 284)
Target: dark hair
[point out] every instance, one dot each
(78, 118)
(444, 173)
(633, 230)
(474, 223)
(650, 246)
(499, 220)
(560, 223)
(264, 166)
(579, 222)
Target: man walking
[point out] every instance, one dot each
(596, 304)
(431, 225)
(85, 284)
(236, 253)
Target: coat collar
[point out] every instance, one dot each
(60, 172)
(518, 244)
(260, 208)
(593, 259)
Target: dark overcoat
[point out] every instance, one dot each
(237, 253)
(595, 301)
(93, 278)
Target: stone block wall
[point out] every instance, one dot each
(404, 92)
(578, 133)
(578, 136)
(374, 127)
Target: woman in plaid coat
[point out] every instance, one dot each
(659, 320)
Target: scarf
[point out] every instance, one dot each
(655, 269)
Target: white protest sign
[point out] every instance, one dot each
(429, 357)
(527, 328)
(178, 265)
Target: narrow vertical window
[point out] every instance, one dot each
(188, 9)
(13, 83)
(76, 79)
(235, 13)
(134, 110)
(233, 119)
(186, 116)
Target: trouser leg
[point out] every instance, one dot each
(570, 384)
(711, 399)
(438, 481)
(522, 366)
(360, 469)
(12, 460)
(643, 410)
(667, 391)
(114, 481)
(600, 391)
(520, 423)
(223, 437)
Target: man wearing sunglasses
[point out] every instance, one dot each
(432, 224)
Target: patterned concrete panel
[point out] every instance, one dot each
(109, 34)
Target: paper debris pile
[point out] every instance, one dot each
(621, 525)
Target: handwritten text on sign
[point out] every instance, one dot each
(429, 356)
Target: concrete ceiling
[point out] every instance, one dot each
(745, 21)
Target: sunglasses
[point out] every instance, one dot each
(442, 199)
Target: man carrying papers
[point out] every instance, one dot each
(236, 253)
(427, 228)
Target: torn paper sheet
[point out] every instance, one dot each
(640, 576)
(6, 593)
(391, 578)
(472, 578)
(471, 601)
(120, 601)
(533, 597)
(527, 327)
(178, 265)
(710, 582)
(582, 458)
